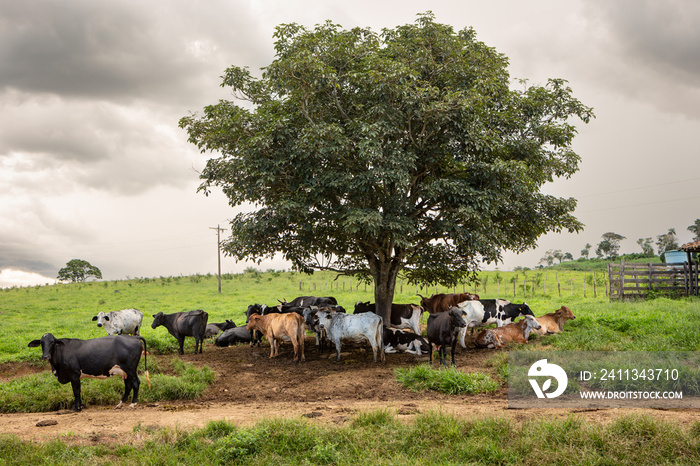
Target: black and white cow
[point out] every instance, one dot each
(358, 327)
(408, 342)
(233, 336)
(120, 322)
(214, 328)
(443, 329)
(184, 324)
(491, 311)
(72, 359)
(402, 315)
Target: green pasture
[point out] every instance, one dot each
(66, 310)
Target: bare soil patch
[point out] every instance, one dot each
(250, 387)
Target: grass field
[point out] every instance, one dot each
(67, 310)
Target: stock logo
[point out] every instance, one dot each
(542, 368)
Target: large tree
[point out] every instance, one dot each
(374, 153)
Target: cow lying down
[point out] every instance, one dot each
(72, 359)
(518, 332)
(553, 322)
(408, 342)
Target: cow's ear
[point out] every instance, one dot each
(34, 343)
(94, 318)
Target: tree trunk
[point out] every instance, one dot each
(384, 274)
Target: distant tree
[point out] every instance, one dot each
(78, 270)
(586, 250)
(568, 256)
(609, 246)
(667, 242)
(647, 246)
(558, 255)
(548, 258)
(695, 230)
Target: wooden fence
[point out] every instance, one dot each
(628, 280)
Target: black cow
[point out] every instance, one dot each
(214, 328)
(233, 336)
(402, 315)
(306, 301)
(443, 329)
(408, 342)
(72, 359)
(184, 324)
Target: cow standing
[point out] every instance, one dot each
(443, 302)
(340, 326)
(276, 327)
(126, 321)
(72, 359)
(184, 324)
(443, 329)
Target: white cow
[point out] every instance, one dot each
(357, 327)
(120, 322)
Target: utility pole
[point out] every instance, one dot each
(218, 250)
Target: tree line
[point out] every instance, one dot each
(609, 246)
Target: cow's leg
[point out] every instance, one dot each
(78, 403)
(337, 350)
(181, 343)
(454, 346)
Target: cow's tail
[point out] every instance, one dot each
(145, 362)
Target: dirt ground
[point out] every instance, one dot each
(250, 387)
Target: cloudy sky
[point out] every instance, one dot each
(94, 166)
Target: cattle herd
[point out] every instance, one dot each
(450, 316)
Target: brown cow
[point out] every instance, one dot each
(276, 326)
(554, 321)
(500, 336)
(442, 302)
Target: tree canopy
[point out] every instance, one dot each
(372, 153)
(78, 270)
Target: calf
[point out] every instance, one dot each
(443, 302)
(483, 312)
(554, 321)
(184, 324)
(233, 336)
(443, 329)
(340, 326)
(277, 326)
(120, 322)
(402, 315)
(408, 342)
(499, 337)
(72, 359)
(214, 328)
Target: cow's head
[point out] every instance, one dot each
(525, 310)
(565, 313)
(48, 345)
(324, 318)
(457, 317)
(255, 322)
(228, 324)
(101, 318)
(311, 318)
(530, 325)
(158, 319)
